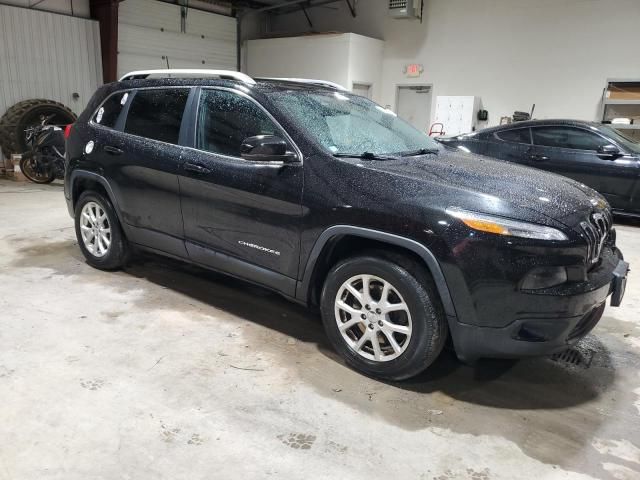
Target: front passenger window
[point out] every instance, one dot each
(566, 137)
(225, 119)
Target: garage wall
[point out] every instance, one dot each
(365, 63)
(511, 53)
(76, 8)
(46, 55)
(316, 56)
(149, 30)
(342, 58)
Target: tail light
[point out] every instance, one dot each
(67, 131)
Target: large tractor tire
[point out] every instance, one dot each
(26, 114)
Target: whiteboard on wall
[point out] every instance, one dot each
(458, 114)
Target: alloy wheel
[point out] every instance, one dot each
(373, 318)
(95, 229)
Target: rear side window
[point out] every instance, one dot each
(566, 137)
(225, 119)
(518, 135)
(109, 112)
(157, 113)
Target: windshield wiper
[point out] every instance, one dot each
(366, 156)
(420, 151)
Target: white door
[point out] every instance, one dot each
(362, 89)
(152, 34)
(414, 105)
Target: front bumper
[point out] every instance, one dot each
(551, 322)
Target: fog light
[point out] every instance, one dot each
(544, 277)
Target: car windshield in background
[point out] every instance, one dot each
(346, 124)
(621, 138)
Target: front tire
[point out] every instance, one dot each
(383, 320)
(99, 232)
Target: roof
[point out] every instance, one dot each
(183, 77)
(538, 123)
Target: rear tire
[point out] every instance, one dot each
(99, 232)
(25, 114)
(409, 325)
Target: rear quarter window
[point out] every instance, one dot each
(109, 112)
(517, 135)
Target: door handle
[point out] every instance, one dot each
(112, 150)
(195, 168)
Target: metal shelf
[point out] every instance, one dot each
(623, 126)
(622, 102)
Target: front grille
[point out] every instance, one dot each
(596, 230)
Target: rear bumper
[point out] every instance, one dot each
(544, 333)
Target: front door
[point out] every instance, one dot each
(240, 216)
(414, 105)
(572, 152)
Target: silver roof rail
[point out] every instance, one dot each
(190, 73)
(310, 81)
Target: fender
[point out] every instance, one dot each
(430, 260)
(80, 174)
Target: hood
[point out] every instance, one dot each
(497, 187)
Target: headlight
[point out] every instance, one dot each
(503, 226)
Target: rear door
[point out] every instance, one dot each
(240, 216)
(141, 158)
(512, 144)
(573, 152)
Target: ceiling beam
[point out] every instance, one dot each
(294, 6)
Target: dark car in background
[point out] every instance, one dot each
(596, 155)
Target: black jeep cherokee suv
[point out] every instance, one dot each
(334, 202)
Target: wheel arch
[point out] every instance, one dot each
(83, 180)
(331, 239)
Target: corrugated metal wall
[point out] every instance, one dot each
(150, 30)
(46, 55)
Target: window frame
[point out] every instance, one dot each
(186, 115)
(496, 136)
(574, 127)
(193, 126)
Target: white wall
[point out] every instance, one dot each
(342, 58)
(315, 56)
(512, 53)
(365, 63)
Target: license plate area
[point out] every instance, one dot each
(619, 283)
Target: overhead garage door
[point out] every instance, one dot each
(151, 35)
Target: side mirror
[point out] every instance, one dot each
(266, 148)
(608, 151)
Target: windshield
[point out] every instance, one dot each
(348, 124)
(619, 137)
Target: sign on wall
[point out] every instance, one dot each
(413, 70)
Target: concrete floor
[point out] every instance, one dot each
(169, 371)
